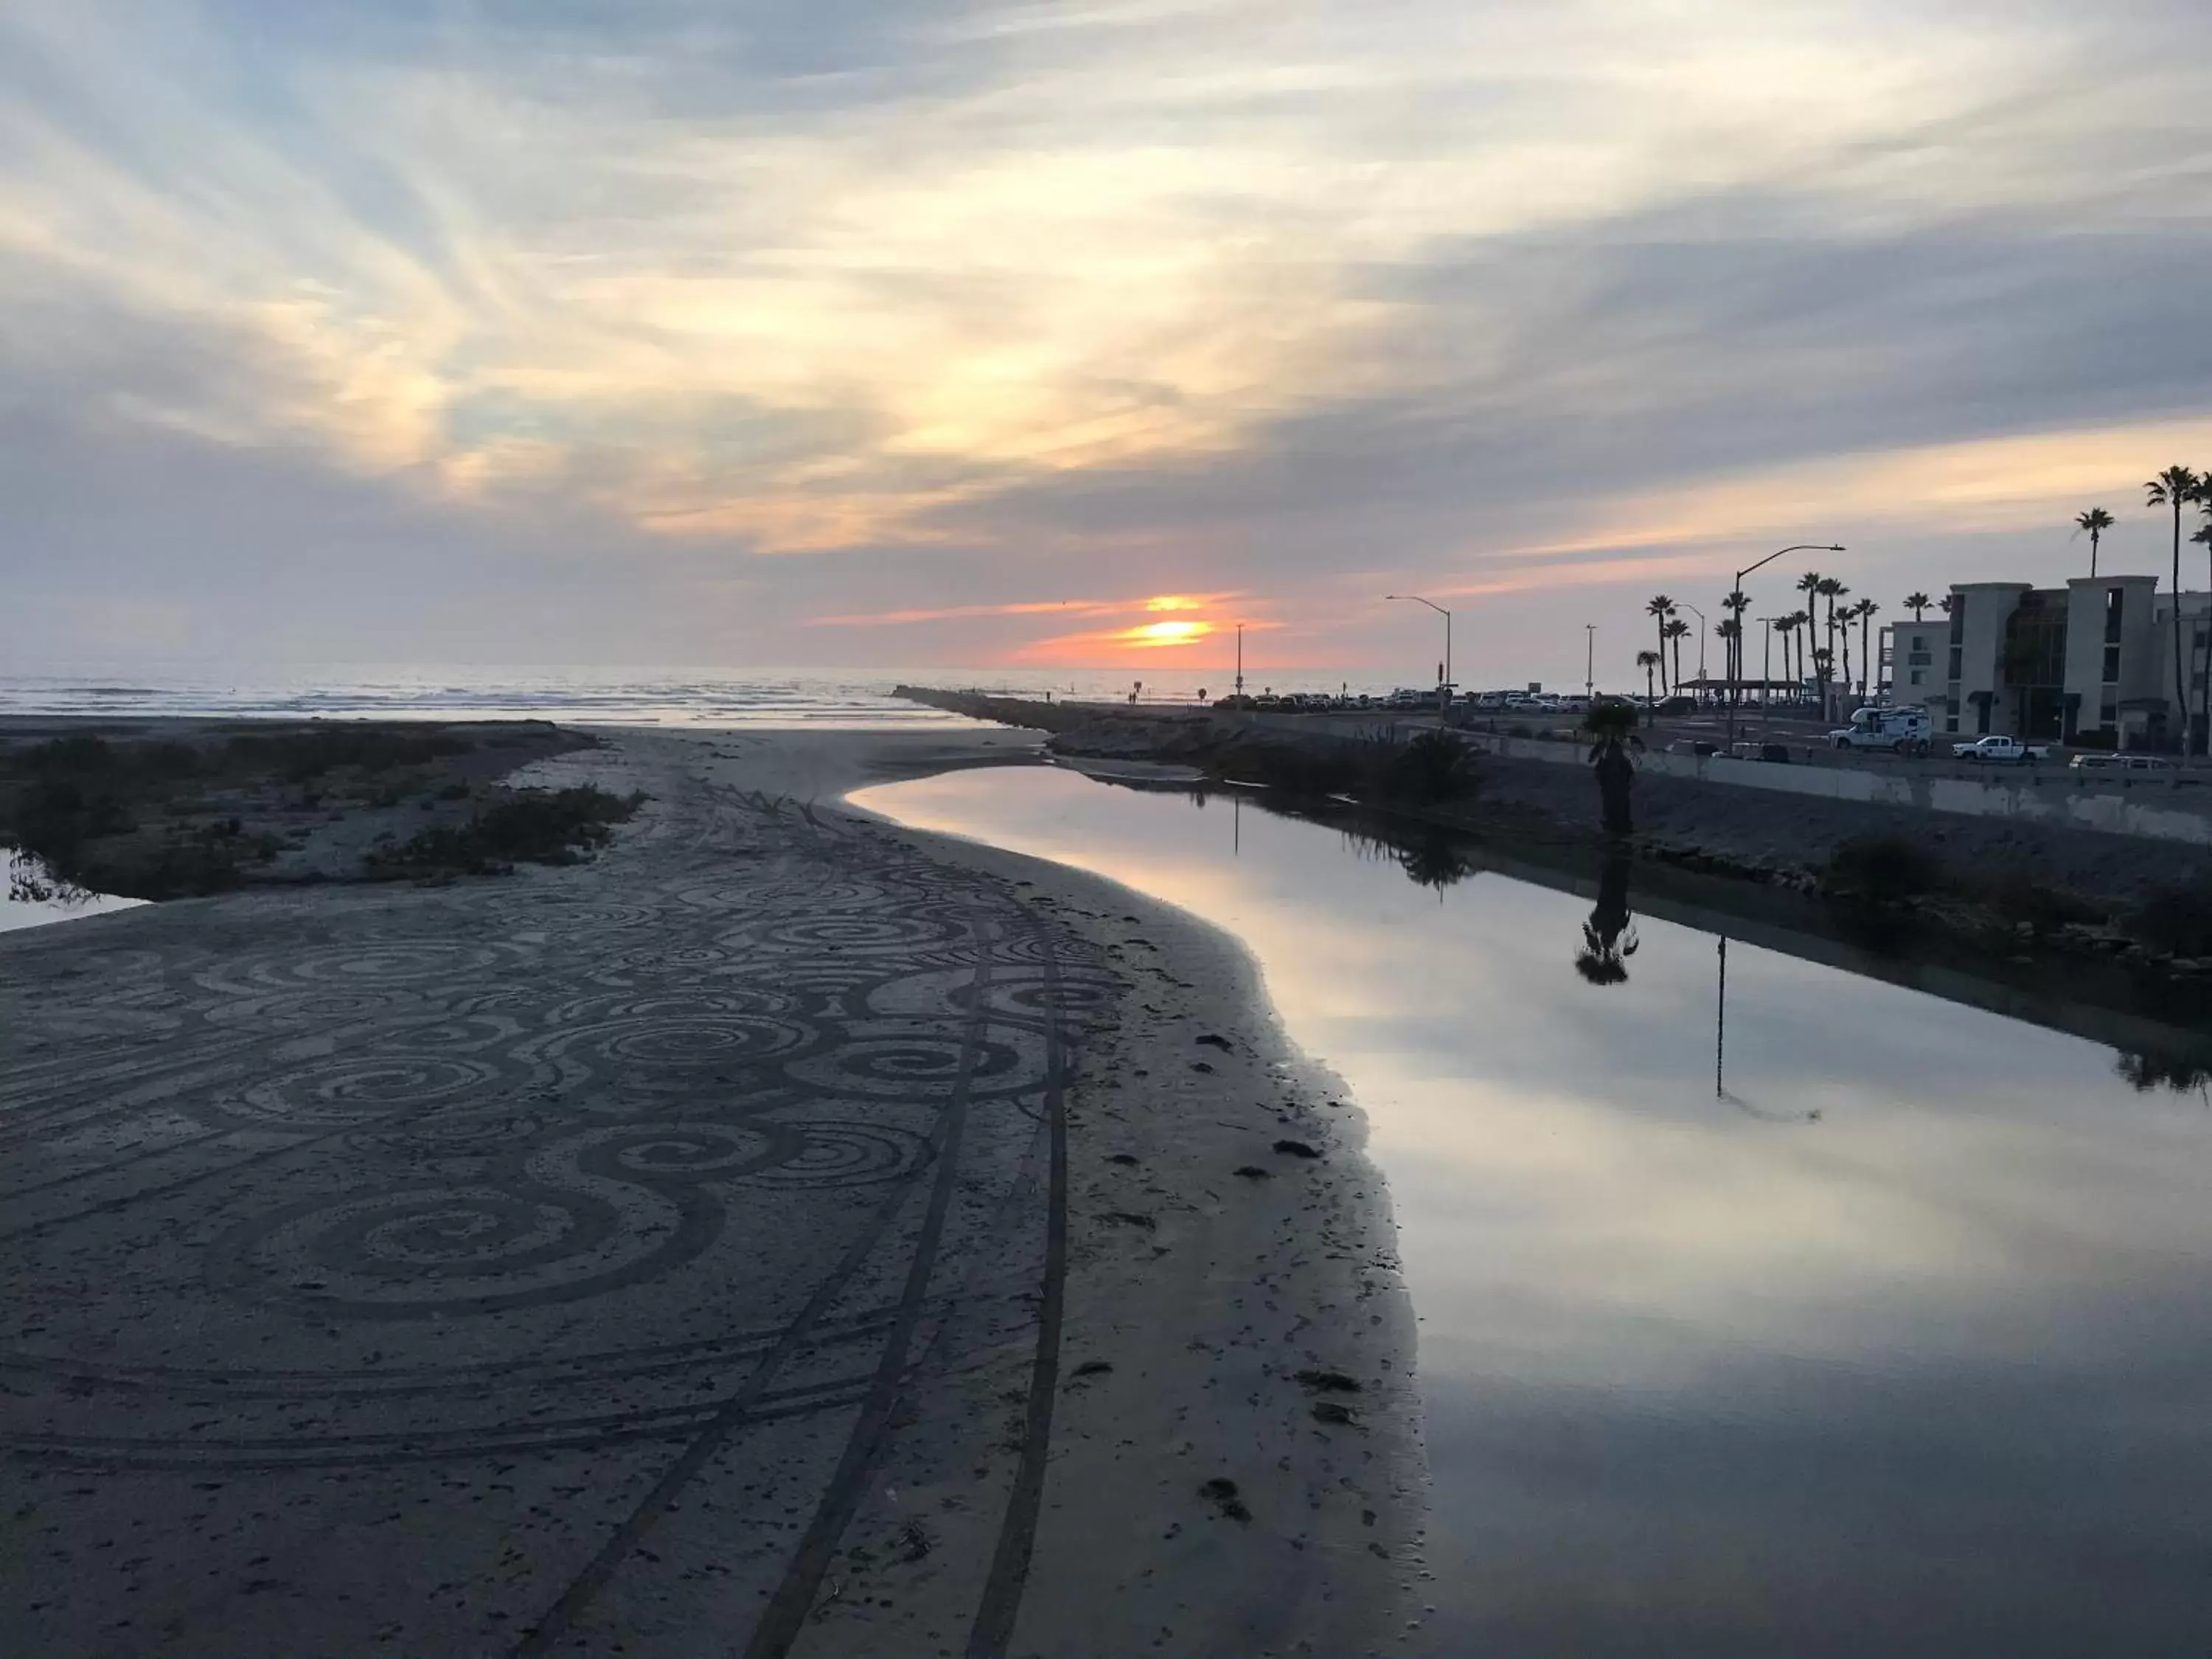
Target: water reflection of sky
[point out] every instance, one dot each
(1907, 1349)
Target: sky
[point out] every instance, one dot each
(905, 333)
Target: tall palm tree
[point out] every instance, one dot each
(1660, 608)
(1790, 643)
(2096, 521)
(2204, 535)
(1919, 602)
(1735, 604)
(1649, 661)
(2176, 487)
(1828, 588)
(1864, 611)
(1945, 604)
(1674, 632)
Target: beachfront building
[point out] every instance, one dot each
(2090, 663)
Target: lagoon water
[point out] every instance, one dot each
(1895, 1339)
(32, 896)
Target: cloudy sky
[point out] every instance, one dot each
(916, 332)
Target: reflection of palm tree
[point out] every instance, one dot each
(1436, 860)
(2145, 1071)
(1609, 935)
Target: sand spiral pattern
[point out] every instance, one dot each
(570, 1171)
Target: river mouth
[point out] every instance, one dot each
(1766, 1307)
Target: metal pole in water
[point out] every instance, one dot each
(1720, 1027)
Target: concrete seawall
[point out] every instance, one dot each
(2159, 809)
(2156, 809)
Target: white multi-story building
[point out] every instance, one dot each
(2090, 663)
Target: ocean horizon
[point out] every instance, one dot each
(763, 697)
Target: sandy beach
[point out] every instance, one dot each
(782, 1233)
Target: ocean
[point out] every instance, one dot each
(762, 698)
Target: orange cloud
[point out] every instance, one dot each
(1036, 608)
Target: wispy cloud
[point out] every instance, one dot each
(1200, 293)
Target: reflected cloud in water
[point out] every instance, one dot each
(1886, 1335)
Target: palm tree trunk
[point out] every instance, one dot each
(2181, 710)
(2093, 559)
(1663, 655)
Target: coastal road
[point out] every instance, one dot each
(640, 1257)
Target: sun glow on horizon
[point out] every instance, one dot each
(1166, 633)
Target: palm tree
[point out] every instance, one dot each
(1829, 588)
(1864, 611)
(2204, 535)
(1674, 632)
(1792, 623)
(2176, 487)
(1919, 602)
(1610, 726)
(1945, 604)
(1734, 604)
(2096, 521)
(1661, 607)
(1649, 661)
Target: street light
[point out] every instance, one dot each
(1702, 631)
(1736, 680)
(1444, 689)
(1589, 661)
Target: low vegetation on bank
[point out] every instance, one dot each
(2017, 903)
(216, 809)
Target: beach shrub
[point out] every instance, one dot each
(2020, 895)
(300, 756)
(525, 826)
(2176, 920)
(1433, 769)
(1879, 870)
(1295, 769)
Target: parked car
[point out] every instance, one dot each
(2000, 751)
(2144, 764)
(2094, 760)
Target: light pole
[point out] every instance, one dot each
(1589, 661)
(1702, 631)
(1735, 593)
(1240, 661)
(1444, 690)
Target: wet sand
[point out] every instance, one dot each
(784, 1233)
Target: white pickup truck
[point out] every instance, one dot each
(1900, 731)
(2000, 751)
